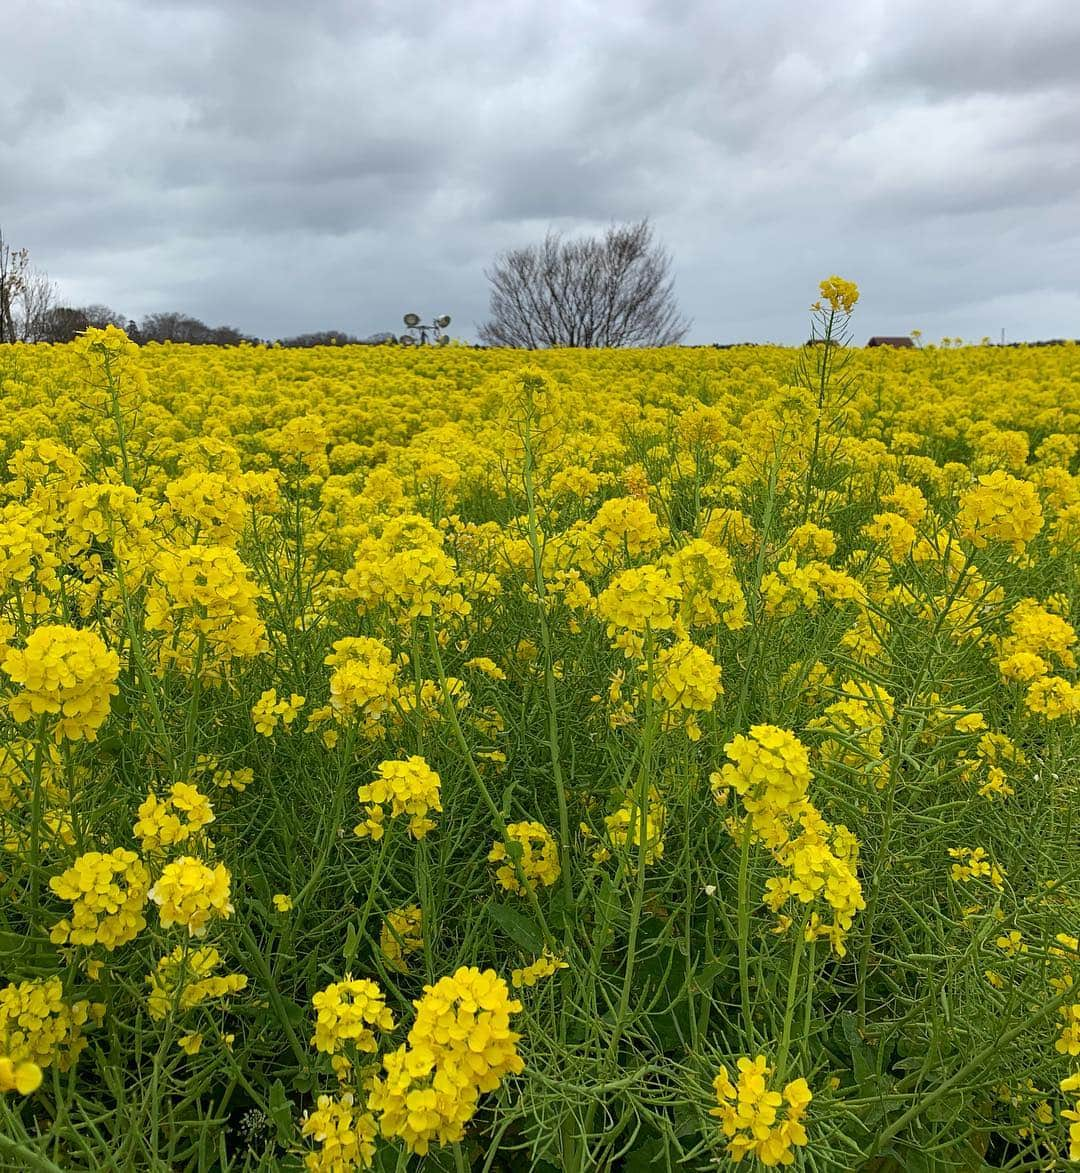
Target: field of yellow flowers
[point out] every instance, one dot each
(620, 761)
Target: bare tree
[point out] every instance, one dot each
(100, 316)
(26, 296)
(614, 290)
(14, 266)
(36, 299)
(63, 323)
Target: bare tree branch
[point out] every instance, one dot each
(615, 290)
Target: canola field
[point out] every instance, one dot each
(481, 760)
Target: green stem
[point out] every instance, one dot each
(333, 825)
(27, 1159)
(744, 928)
(549, 680)
(146, 676)
(789, 1005)
(881, 853)
(754, 597)
(974, 1064)
(808, 1007)
(496, 815)
(373, 886)
(114, 406)
(191, 723)
(36, 804)
(256, 958)
(822, 390)
(643, 780)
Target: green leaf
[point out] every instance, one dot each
(352, 945)
(12, 944)
(295, 1014)
(863, 1057)
(706, 974)
(646, 1157)
(609, 905)
(281, 1112)
(521, 929)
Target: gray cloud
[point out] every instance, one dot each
(287, 167)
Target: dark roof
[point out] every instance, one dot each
(890, 340)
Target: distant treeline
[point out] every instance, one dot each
(63, 323)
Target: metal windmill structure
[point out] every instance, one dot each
(423, 334)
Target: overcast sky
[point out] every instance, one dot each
(291, 165)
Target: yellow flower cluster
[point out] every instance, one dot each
(66, 676)
(821, 861)
(204, 599)
(345, 1134)
(892, 531)
(110, 515)
(27, 560)
(1036, 631)
(757, 1121)
(995, 754)
(268, 711)
(185, 978)
(638, 600)
(1038, 639)
(625, 833)
(347, 1015)
(108, 894)
(212, 507)
(685, 681)
(791, 586)
(544, 966)
(856, 724)
(402, 933)
(190, 893)
(170, 821)
(1000, 508)
(839, 293)
(535, 853)
(406, 569)
(363, 684)
(222, 776)
(459, 1046)
(1068, 1041)
(38, 1027)
(972, 863)
(770, 772)
(486, 665)
(625, 527)
(408, 788)
(728, 527)
(709, 589)
(814, 540)
(1053, 697)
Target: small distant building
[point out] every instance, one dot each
(889, 340)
